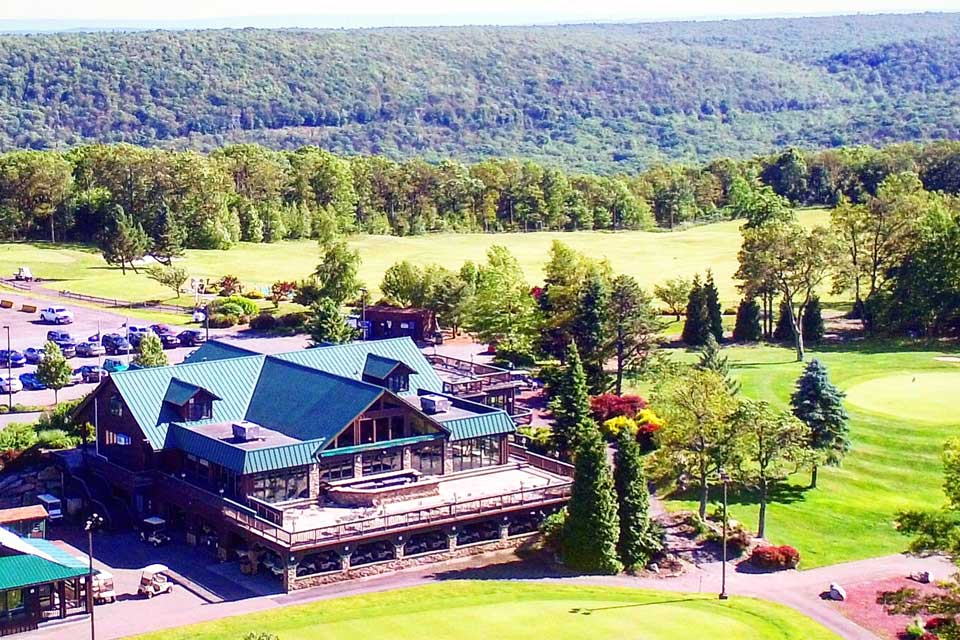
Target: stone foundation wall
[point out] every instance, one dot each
(407, 563)
(21, 488)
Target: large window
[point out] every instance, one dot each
(12, 603)
(428, 459)
(475, 453)
(336, 469)
(116, 405)
(381, 462)
(399, 382)
(289, 484)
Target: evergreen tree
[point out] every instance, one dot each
(590, 332)
(53, 370)
(784, 330)
(150, 352)
(747, 328)
(570, 404)
(819, 404)
(711, 298)
(168, 238)
(812, 321)
(592, 529)
(327, 325)
(124, 241)
(697, 324)
(639, 539)
(712, 360)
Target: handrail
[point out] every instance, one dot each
(545, 463)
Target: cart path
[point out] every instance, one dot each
(799, 590)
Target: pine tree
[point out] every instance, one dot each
(592, 529)
(150, 352)
(712, 360)
(168, 238)
(697, 324)
(124, 241)
(747, 328)
(590, 332)
(53, 370)
(819, 404)
(570, 404)
(326, 324)
(784, 330)
(711, 298)
(812, 321)
(639, 539)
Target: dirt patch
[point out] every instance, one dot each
(861, 606)
(954, 359)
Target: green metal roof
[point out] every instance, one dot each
(216, 350)
(488, 424)
(232, 379)
(55, 553)
(349, 360)
(180, 392)
(27, 570)
(372, 446)
(240, 460)
(380, 367)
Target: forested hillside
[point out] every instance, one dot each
(602, 98)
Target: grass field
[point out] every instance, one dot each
(650, 257)
(505, 611)
(901, 407)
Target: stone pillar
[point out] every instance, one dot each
(345, 554)
(447, 459)
(452, 539)
(406, 459)
(398, 543)
(290, 573)
(357, 465)
(314, 481)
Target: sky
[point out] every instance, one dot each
(236, 13)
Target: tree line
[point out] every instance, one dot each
(175, 200)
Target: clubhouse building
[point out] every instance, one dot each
(323, 464)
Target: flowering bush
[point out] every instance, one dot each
(613, 427)
(610, 405)
(648, 422)
(775, 558)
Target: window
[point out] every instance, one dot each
(289, 484)
(123, 439)
(198, 409)
(114, 438)
(12, 604)
(475, 453)
(428, 459)
(381, 462)
(116, 405)
(366, 432)
(398, 382)
(345, 439)
(336, 469)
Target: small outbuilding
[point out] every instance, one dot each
(27, 522)
(385, 321)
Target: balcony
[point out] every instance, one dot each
(529, 481)
(463, 378)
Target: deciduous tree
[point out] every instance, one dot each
(172, 277)
(674, 293)
(53, 370)
(150, 352)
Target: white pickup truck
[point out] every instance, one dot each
(56, 315)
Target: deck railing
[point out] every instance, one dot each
(550, 465)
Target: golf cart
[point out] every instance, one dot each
(103, 588)
(153, 581)
(23, 274)
(153, 531)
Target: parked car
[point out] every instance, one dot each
(10, 385)
(91, 373)
(31, 382)
(32, 355)
(12, 358)
(191, 338)
(55, 335)
(115, 344)
(90, 350)
(167, 337)
(113, 365)
(136, 334)
(56, 315)
(75, 378)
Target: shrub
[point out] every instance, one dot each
(738, 539)
(56, 439)
(221, 321)
(609, 405)
(263, 322)
(253, 294)
(17, 437)
(295, 320)
(229, 309)
(775, 558)
(539, 439)
(228, 285)
(552, 530)
(246, 307)
(612, 428)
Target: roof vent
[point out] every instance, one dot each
(434, 404)
(246, 431)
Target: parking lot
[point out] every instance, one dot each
(26, 330)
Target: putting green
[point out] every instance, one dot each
(929, 396)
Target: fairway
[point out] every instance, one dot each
(651, 257)
(927, 397)
(897, 429)
(507, 611)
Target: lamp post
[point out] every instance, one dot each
(93, 523)
(723, 567)
(206, 321)
(9, 371)
(363, 313)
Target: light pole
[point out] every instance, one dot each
(9, 371)
(723, 567)
(93, 523)
(363, 313)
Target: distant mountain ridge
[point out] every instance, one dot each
(609, 98)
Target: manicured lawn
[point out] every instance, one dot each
(504, 611)
(650, 257)
(902, 409)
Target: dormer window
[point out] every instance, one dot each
(398, 382)
(387, 372)
(198, 408)
(116, 405)
(190, 402)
